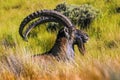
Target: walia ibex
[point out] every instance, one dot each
(67, 37)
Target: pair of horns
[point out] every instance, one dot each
(46, 16)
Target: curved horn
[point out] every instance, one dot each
(49, 13)
(36, 23)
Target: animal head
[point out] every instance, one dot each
(76, 37)
(69, 31)
(80, 39)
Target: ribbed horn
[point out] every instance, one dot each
(47, 13)
(38, 22)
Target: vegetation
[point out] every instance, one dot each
(101, 62)
(81, 15)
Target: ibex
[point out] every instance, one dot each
(67, 37)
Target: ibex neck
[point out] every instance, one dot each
(63, 49)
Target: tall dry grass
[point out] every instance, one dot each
(22, 67)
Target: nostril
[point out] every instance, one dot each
(86, 39)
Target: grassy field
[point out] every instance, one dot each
(101, 62)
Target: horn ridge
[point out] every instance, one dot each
(48, 13)
(38, 22)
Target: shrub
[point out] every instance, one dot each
(80, 15)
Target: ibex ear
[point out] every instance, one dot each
(66, 32)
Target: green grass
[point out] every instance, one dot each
(101, 62)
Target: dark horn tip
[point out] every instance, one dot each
(25, 39)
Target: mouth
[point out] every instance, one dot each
(85, 40)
